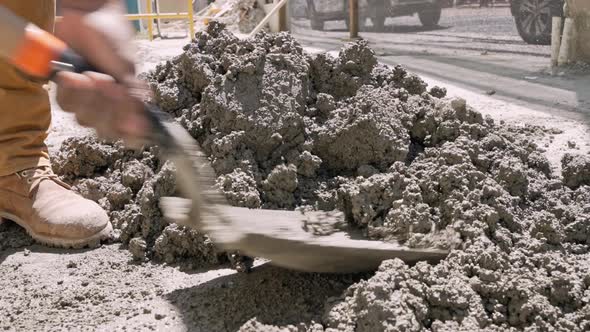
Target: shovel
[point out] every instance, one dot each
(277, 235)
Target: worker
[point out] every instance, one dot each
(31, 195)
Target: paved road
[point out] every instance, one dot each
(477, 49)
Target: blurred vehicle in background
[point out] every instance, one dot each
(321, 11)
(481, 3)
(534, 17)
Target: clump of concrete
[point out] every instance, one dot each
(575, 170)
(278, 124)
(285, 129)
(129, 184)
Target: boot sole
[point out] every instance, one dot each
(91, 242)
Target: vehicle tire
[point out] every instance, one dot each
(533, 19)
(378, 14)
(431, 16)
(316, 24)
(378, 23)
(314, 21)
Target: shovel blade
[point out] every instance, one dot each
(280, 236)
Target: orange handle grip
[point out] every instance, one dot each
(36, 51)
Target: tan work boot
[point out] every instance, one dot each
(50, 212)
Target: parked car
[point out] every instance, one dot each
(321, 11)
(481, 3)
(534, 19)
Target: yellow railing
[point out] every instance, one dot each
(150, 16)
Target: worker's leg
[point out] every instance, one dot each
(24, 105)
(30, 194)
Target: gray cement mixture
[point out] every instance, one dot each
(288, 130)
(129, 185)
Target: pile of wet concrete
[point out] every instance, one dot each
(285, 130)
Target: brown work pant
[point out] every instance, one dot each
(24, 104)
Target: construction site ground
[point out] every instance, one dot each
(103, 289)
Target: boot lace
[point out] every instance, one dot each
(34, 176)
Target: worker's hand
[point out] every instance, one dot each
(101, 103)
(98, 31)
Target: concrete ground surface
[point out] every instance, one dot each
(102, 289)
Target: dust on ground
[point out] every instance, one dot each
(285, 129)
(104, 290)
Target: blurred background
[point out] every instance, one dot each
(499, 48)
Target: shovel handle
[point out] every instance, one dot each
(72, 62)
